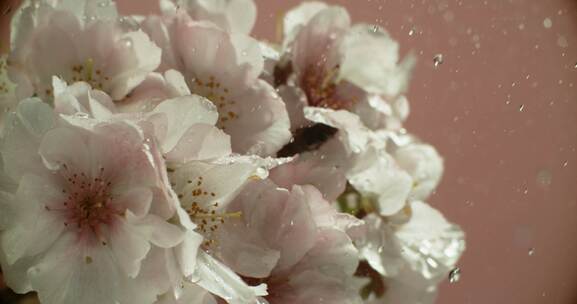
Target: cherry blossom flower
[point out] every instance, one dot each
(342, 66)
(78, 42)
(224, 67)
(83, 217)
(293, 241)
(361, 154)
(413, 256)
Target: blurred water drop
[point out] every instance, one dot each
(565, 164)
(531, 251)
(544, 177)
(411, 31)
(375, 28)
(455, 275)
(438, 60)
(547, 23)
(521, 107)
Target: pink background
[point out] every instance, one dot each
(502, 109)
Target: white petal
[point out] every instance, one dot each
(232, 15)
(223, 282)
(370, 61)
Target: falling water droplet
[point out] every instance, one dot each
(521, 108)
(412, 31)
(547, 23)
(455, 275)
(438, 60)
(375, 28)
(565, 164)
(531, 251)
(575, 66)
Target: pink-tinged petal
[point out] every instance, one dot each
(293, 230)
(160, 270)
(15, 275)
(133, 57)
(200, 142)
(207, 183)
(295, 101)
(224, 13)
(66, 146)
(69, 274)
(302, 171)
(22, 136)
(137, 200)
(314, 45)
(160, 34)
(181, 114)
(370, 61)
(157, 230)
(243, 246)
(299, 16)
(155, 89)
(239, 252)
(50, 51)
(215, 277)
(257, 121)
(37, 224)
(128, 246)
(187, 252)
(425, 166)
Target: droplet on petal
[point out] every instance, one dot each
(455, 275)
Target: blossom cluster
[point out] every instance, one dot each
(173, 158)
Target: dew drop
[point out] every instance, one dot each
(547, 23)
(531, 251)
(521, 108)
(438, 60)
(455, 275)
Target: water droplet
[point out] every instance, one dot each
(375, 28)
(575, 66)
(521, 108)
(412, 32)
(455, 275)
(438, 60)
(544, 177)
(565, 164)
(531, 251)
(547, 23)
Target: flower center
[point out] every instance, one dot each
(321, 90)
(218, 95)
(88, 73)
(202, 208)
(87, 206)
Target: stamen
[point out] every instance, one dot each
(89, 67)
